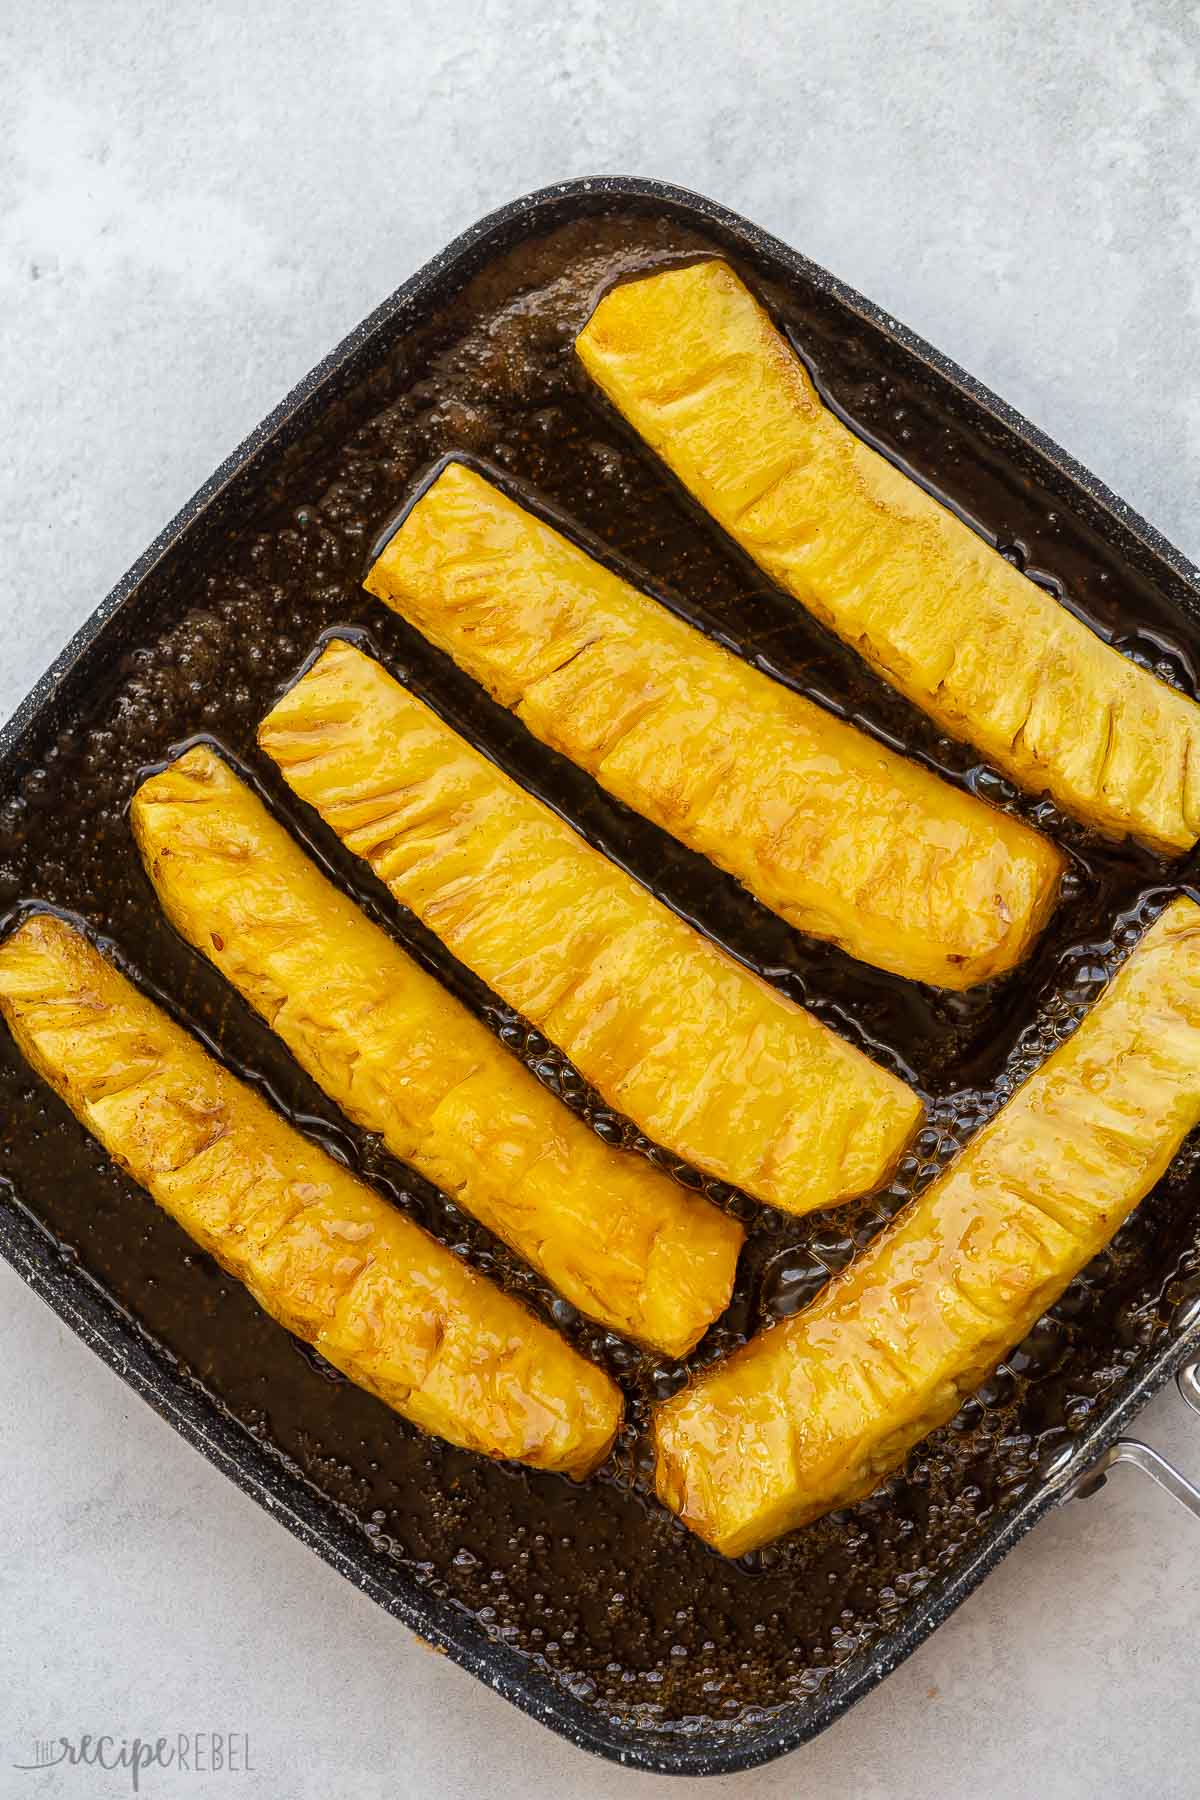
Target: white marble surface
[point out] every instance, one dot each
(196, 201)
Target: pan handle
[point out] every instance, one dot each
(1141, 1456)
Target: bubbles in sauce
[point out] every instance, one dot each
(597, 1583)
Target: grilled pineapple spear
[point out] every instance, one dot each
(814, 1413)
(841, 837)
(402, 1057)
(693, 362)
(706, 1058)
(326, 1257)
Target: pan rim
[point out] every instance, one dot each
(99, 1321)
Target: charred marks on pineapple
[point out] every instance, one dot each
(596, 1584)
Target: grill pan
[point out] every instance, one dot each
(488, 317)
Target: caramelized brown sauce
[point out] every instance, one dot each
(597, 1582)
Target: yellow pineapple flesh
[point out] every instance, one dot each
(843, 838)
(814, 1413)
(706, 1058)
(618, 1238)
(379, 1298)
(695, 364)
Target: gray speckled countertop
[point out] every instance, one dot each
(196, 201)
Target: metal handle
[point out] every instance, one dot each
(1141, 1456)
(1138, 1456)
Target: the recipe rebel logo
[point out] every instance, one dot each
(185, 1752)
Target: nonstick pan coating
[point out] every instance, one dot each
(588, 1606)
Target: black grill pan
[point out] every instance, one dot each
(473, 353)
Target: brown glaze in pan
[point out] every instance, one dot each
(596, 1585)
